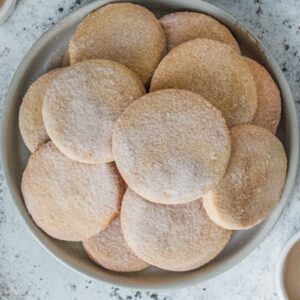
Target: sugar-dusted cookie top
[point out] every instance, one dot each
(124, 32)
(171, 146)
(70, 200)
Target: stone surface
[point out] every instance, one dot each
(27, 271)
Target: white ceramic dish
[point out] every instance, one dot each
(281, 266)
(46, 54)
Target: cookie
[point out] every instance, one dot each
(215, 71)
(171, 237)
(253, 182)
(124, 32)
(82, 105)
(69, 200)
(31, 122)
(180, 27)
(269, 102)
(109, 250)
(171, 146)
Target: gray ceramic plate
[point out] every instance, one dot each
(46, 54)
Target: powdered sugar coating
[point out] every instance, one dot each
(171, 146)
(70, 200)
(31, 122)
(82, 105)
(172, 237)
(184, 26)
(213, 70)
(109, 249)
(269, 102)
(124, 32)
(253, 182)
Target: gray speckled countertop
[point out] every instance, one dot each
(27, 271)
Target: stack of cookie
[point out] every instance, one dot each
(155, 143)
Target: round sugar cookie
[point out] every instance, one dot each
(171, 146)
(109, 250)
(124, 32)
(180, 27)
(215, 71)
(171, 237)
(253, 182)
(82, 105)
(69, 200)
(31, 122)
(269, 102)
